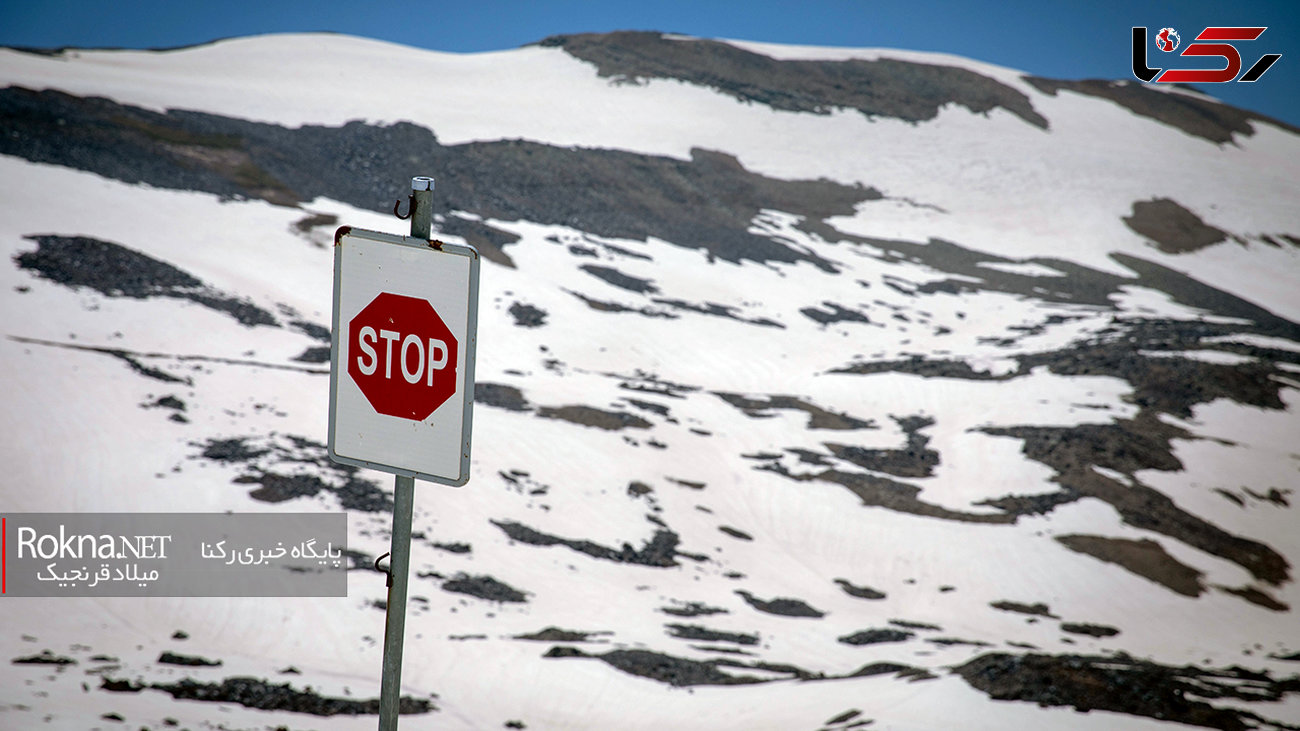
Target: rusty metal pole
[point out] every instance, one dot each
(399, 566)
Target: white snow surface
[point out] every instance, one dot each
(77, 438)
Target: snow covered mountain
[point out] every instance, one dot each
(817, 388)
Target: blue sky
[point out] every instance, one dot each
(1057, 39)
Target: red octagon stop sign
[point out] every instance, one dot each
(402, 356)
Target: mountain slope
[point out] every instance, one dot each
(816, 387)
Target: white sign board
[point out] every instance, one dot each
(402, 362)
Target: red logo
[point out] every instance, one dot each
(1167, 40)
(402, 356)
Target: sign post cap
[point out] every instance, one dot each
(421, 183)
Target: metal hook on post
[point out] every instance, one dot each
(418, 184)
(386, 572)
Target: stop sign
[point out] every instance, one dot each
(402, 356)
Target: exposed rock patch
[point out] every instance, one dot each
(659, 551)
(696, 632)
(1128, 446)
(174, 658)
(254, 693)
(674, 671)
(921, 366)
(885, 668)
(1204, 118)
(171, 403)
(818, 418)
(829, 313)
(875, 636)
(618, 279)
(114, 270)
(311, 330)
(490, 241)
(305, 224)
(133, 145)
(735, 533)
(500, 396)
(861, 592)
(555, 634)
(950, 641)
(1174, 229)
(484, 587)
(1145, 557)
(592, 416)
(1092, 630)
(1257, 597)
(44, 658)
(885, 87)
(1121, 684)
(616, 308)
(910, 624)
(876, 491)
(705, 203)
(528, 315)
(913, 460)
(1032, 504)
(714, 309)
(1035, 610)
(120, 685)
(313, 355)
(783, 606)
(692, 609)
(1193, 293)
(286, 467)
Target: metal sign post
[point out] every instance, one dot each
(399, 562)
(399, 568)
(402, 381)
